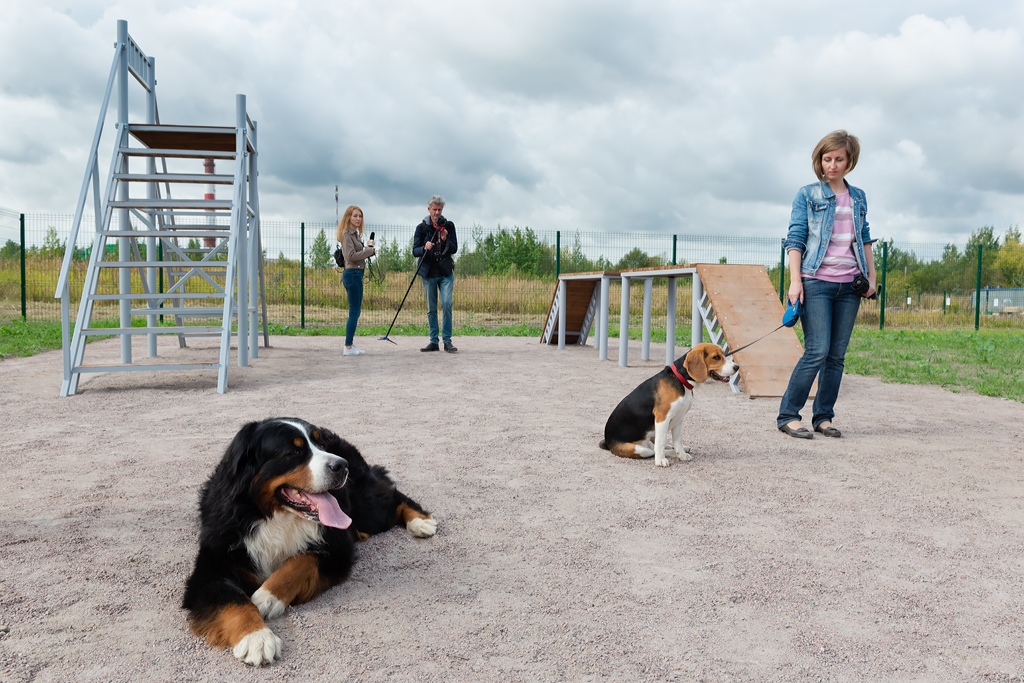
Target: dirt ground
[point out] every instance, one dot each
(893, 553)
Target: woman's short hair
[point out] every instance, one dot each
(346, 222)
(835, 140)
(435, 200)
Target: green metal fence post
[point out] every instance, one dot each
(881, 299)
(977, 294)
(24, 283)
(944, 302)
(782, 272)
(558, 253)
(160, 272)
(302, 275)
(675, 243)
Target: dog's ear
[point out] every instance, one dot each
(695, 364)
(240, 456)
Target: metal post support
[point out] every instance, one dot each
(558, 253)
(255, 251)
(562, 286)
(645, 345)
(302, 275)
(696, 325)
(242, 251)
(602, 327)
(977, 293)
(670, 323)
(24, 282)
(782, 274)
(881, 299)
(675, 242)
(624, 323)
(152, 192)
(124, 222)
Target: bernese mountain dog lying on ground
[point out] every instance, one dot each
(279, 519)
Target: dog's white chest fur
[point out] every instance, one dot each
(282, 536)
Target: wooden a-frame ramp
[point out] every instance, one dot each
(747, 306)
(739, 304)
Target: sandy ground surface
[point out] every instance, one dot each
(894, 553)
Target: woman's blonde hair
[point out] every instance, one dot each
(835, 140)
(346, 222)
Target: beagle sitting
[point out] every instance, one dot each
(660, 403)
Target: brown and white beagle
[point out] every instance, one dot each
(658, 405)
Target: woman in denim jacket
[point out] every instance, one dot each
(827, 246)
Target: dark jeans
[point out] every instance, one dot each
(827, 316)
(352, 278)
(432, 286)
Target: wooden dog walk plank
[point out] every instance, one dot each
(748, 307)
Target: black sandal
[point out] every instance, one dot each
(800, 433)
(829, 431)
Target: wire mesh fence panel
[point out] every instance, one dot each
(505, 276)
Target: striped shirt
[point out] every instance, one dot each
(840, 263)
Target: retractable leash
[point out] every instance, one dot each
(789, 319)
(407, 290)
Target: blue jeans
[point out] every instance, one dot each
(431, 287)
(352, 278)
(827, 316)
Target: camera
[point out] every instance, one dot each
(860, 285)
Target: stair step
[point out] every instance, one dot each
(137, 367)
(202, 178)
(168, 233)
(171, 329)
(182, 311)
(166, 296)
(163, 264)
(205, 204)
(176, 153)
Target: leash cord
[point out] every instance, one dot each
(756, 340)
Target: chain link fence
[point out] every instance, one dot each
(505, 276)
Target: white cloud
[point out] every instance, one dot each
(565, 114)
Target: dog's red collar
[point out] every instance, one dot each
(680, 377)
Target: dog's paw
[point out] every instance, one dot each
(684, 456)
(258, 648)
(268, 605)
(662, 461)
(422, 527)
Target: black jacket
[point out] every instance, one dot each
(438, 261)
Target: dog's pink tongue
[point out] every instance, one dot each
(329, 511)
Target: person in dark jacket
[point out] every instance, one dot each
(434, 243)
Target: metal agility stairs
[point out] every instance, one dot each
(183, 266)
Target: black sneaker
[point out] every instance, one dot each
(432, 346)
(449, 347)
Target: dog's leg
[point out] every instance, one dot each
(241, 628)
(416, 520)
(298, 580)
(682, 451)
(660, 438)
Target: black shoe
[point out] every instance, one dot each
(829, 431)
(449, 347)
(432, 346)
(801, 433)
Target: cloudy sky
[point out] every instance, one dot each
(658, 116)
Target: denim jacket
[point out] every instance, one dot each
(811, 221)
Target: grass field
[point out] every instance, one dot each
(986, 362)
